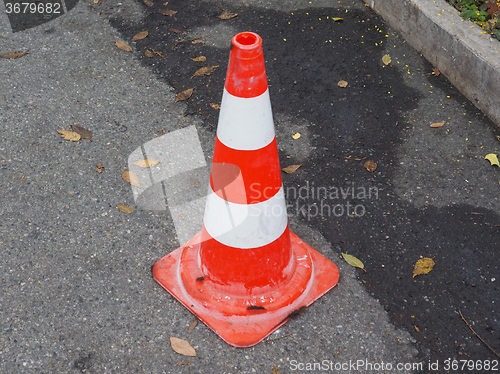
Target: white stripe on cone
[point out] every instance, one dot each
(245, 123)
(245, 226)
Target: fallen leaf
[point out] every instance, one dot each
(69, 135)
(386, 59)
(177, 31)
(296, 135)
(199, 59)
(291, 169)
(99, 167)
(227, 15)
(184, 95)
(275, 370)
(167, 12)
(215, 105)
(416, 328)
(197, 41)
(14, 54)
(125, 209)
(182, 347)
(192, 325)
(493, 159)
(140, 35)
(436, 72)
(122, 45)
(342, 84)
(147, 163)
(423, 266)
(370, 165)
(148, 3)
(337, 19)
(131, 178)
(437, 124)
(148, 53)
(84, 133)
(207, 70)
(353, 261)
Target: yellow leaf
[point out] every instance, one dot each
(184, 95)
(493, 159)
(182, 347)
(337, 19)
(14, 54)
(131, 178)
(296, 135)
(386, 59)
(122, 45)
(423, 266)
(140, 35)
(370, 165)
(199, 59)
(147, 163)
(207, 70)
(69, 135)
(227, 15)
(353, 261)
(437, 124)
(291, 169)
(342, 84)
(125, 209)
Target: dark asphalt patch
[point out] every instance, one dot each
(366, 120)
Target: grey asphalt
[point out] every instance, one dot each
(76, 290)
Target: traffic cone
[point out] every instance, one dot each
(245, 273)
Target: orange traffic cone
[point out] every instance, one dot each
(245, 273)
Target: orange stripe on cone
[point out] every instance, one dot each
(245, 273)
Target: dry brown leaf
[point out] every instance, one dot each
(84, 133)
(69, 135)
(177, 31)
(192, 325)
(296, 135)
(167, 12)
(199, 59)
(227, 15)
(197, 41)
(436, 71)
(147, 163)
(148, 3)
(148, 53)
(370, 165)
(342, 84)
(423, 266)
(215, 105)
(131, 178)
(14, 54)
(99, 168)
(291, 169)
(140, 35)
(275, 370)
(207, 70)
(122, 45)
(125, 209)
(182, 347)
(437, 124)
(184, 95)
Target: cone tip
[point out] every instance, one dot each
(247, 41)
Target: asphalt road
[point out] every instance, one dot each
(77, 293)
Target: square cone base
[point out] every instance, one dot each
(246, 329)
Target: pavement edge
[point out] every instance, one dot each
(468, 58)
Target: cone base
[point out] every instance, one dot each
(248, 326)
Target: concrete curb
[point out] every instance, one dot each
(469, 59)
